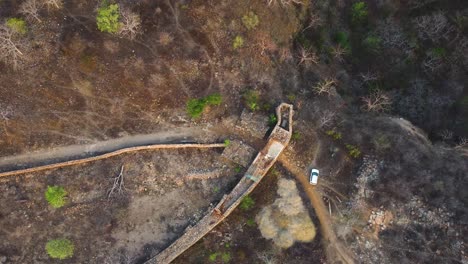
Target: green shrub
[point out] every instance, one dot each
(250, 222)
(60, 248)
(296, 135)
(238, 169)
(195, 106)
(213, 256)
(56, 196)
(18, 25)
(226, 257)
(359, 13)
(342, 39)
(227, 142)
(334, 134)
(238, 42)
(372, 43)
(291, 97)
(250, 20)
(272, 119)
(213, 99)
(353, 151)
(108, 18)
(251, 99)
(247, 203)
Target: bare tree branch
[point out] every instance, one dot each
(376, 102)
(9, 47)
(131, 24)
(325, 87)
(306, 56)
(118, 185)
(30, 8)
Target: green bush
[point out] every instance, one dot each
(334, 134)
(272, 119)
(108, 18)
(353, 151)
(227, 142)
(195, 107)
(250, 20)
(238, 42)
(60, 248)
(359, 13)
(296, 136)
(238, 169)
(247, 203)
(226, 257)
(251, 99)
(342, 39)
(372, 43)
(213, 99)
(56, 196)
(213, 256)
(250, 222)
(17, 24)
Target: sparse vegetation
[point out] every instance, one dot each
(227, 142)
(250, 20)
(107, 19)
(252, 98)
(272, 119)
(195, 107)
(359, 13)
(247, 203)
(238, 42)
(334, 134)
(60, 248)
(56, 196)
(353, 151)
(18, 25)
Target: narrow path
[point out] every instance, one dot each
(62, 154)
(333, 246)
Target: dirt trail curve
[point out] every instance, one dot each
(334, 247)
(76, 154)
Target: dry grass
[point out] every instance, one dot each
(286, 220)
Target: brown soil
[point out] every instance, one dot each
(152, 211)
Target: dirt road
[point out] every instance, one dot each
(335, 249)
(33, 159)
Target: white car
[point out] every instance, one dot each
(314, 174)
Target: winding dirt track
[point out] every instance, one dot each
(334, 247)
(78, 154)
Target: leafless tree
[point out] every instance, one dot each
(376, 102)
(10, 52)
(118, 185)
(314, 21)
(369, 76)
(339, 52)
(434, 27)
(326, 86)
(463, 142)
(327, 118)
(30, 8)
(432, 63)
(53, 4)
(131, 24)
(306, 56)
(446, 134)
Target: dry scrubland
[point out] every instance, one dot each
(381, 106)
